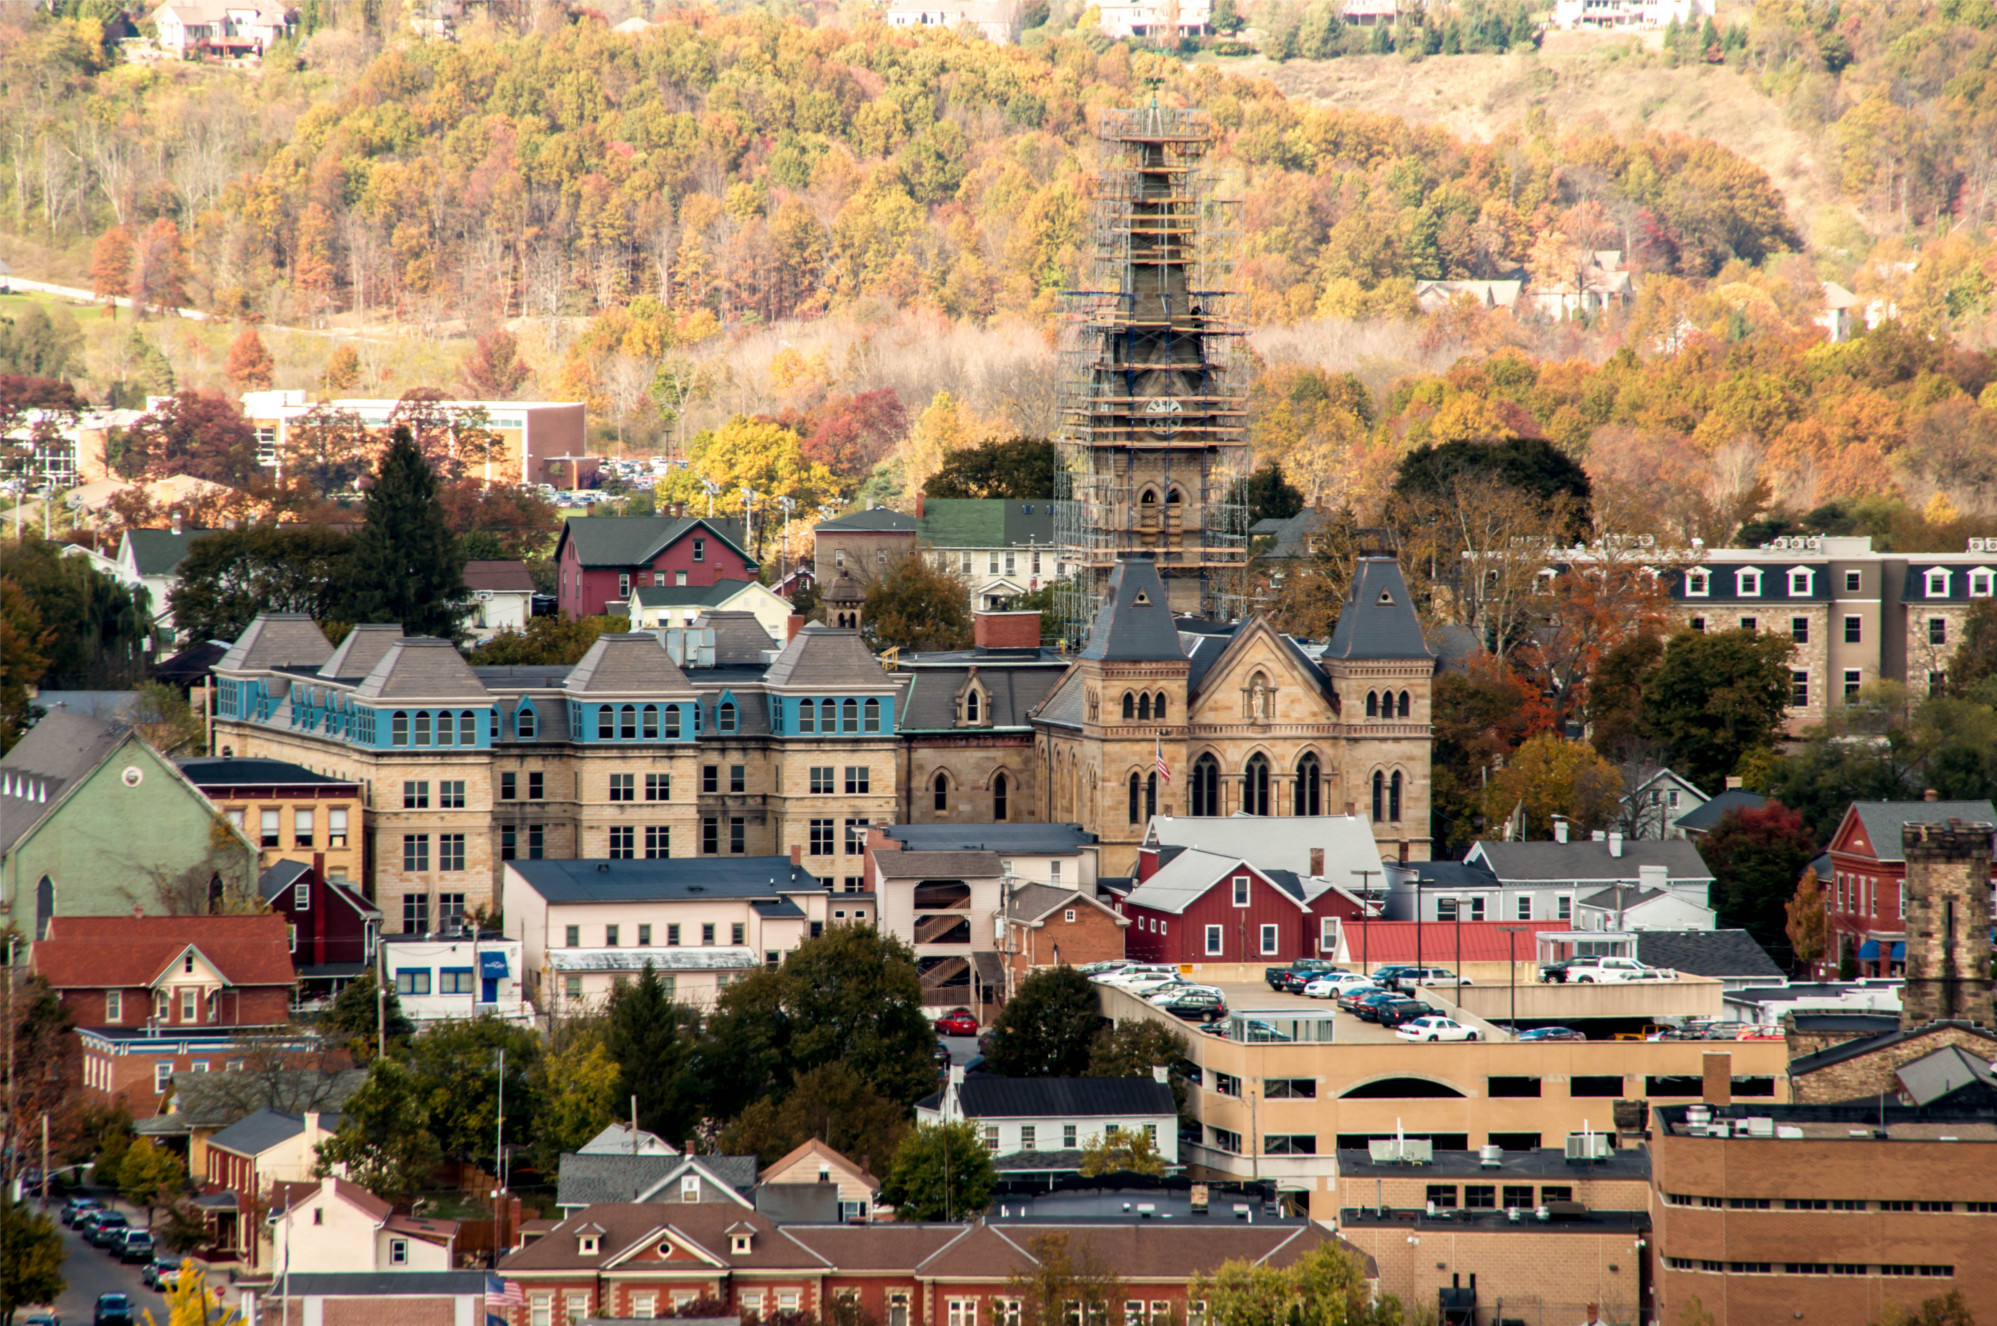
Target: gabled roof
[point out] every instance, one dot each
(386, 1284)
(994, 522)
(629, 664)
(359, 1198)
(1588, 862)
(280, 876)
(691, 596)
(422, 668)
(499, 577)
(241, 771)
(1378, 619)
(1134, 623)
(57, 752)
(986, 1097)
(1715, 953)
(822, 657)
(877, 520)
(258, 1133)
(216, 1100)
(1943, 1073)
(623, 881)
(1010, 695)
(1701, 818)
(587, 1179)
(813, 1149)
(278, 640)
(1054, 839)
(159, 552)
(1064, 704)
(740, 638)
(937, 865)
(1280, 842)
(1836, 1054)
(615, 1140)
(1031, 903)
(1192, 874)
(621, 541)
(363, 647)
(1883, 821)
(1293, 535)
(629, 1228)
(124, 952)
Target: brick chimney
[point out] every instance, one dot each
(919, 499)
(1929, 794)
(793, 626)
(1006, 630)
(796, 855)
(1717, 1082)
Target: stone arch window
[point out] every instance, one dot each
(627, 722)
(1144, 706)
(1309, 792)
(1150, 795)
(1176, 496)
(1372, 704)
(1379, 796)
(1402, 709)
(1394, 797)
(1130, 704)
(1158, 706)
(971, 706)
(1255, 786)
(1206, 786)
(1136, 790)
(1001, 790)
(939, 790)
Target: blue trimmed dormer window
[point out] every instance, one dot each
(725, 716)
(627, 722)
(872, 722)
(398, 728)
(672, 722)
(849, 715)
(526, 723)
(651, 723)
(606, 722)
(807, 717)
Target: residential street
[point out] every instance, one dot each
(91, 1272)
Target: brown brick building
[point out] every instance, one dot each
(1052, 927)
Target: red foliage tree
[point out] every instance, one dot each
(250, 366)
(495, 370)
(850, 434)
(159, 268)
(195, 433)
(111, 263)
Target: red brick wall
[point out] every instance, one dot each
(1093, 936)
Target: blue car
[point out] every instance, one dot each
(1551, 1034)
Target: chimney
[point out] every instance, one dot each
(1717, 1083)
(1615, 844)
(796, 855)
(1560, 828)
(1160, 1073)
(792, 626)
(1734, 782)
(1006, 630)
(311, 1125)
(1317, 861)
(919, 497)
(176, 522)
(1929, 794)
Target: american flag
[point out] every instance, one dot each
(1163, 773)
(506, 1294)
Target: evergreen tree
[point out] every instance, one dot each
(650, 1038)
(1046, 1029)
(405, 566)
(1383, 40)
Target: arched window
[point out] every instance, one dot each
(999, 791)
(872, 710)
(724, 716)
(527, 724)
(1149, 501)
(941, 792)
(1150, 795)
(422, 727)
(651, 722)
(606, 722)
(1394, 797)
(1309, 795)
(1372, 704)
(627, 726)
(828, 716)
(849, 716)
(447, 729)
(1379, 796)
(1403, 709)
(807, 717)
(1206, 786)
(1129, 705)
(1134, 789)
(1144, 706)
(1174, 497)
(1158, 706)
(1255, 787)
(468, 728)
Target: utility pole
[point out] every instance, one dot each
(498, 1159)
(1366, 912)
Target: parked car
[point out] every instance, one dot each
(1196, 1005)
(957, 1023)
(113, 1310)
(1357, 1001)
(162, 1273)
(1407, 978)
(1402, 1011)
(43, 1319)
(1104, 967)
(1151, 985)
(1368, 1008)
(1435, 1029)
(1551, 1034)
(1280, 978)
(73, 1209)
(1610, 971)
(1136, 972)
(1560, 972)
(137, 1246)
(103, 1227)
(1330, 987)
(1171, 992)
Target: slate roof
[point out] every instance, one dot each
(739, 637)
(1293, 535)
(822, 657)
(931, 702)
(1135, 620)
(278, 640)
(1864, 1045)
(1943, 1073)
(798, 1204)
(1378, 618)
(878, 519)
(1282, 842)
(1036, 902)
(361, 649)
(384, 1284)
(621, 541)
(689, 596)
(937, 865)
(1884, 820)
(1729, 953)
(1054, 839)
(500, 577)
(965, 522)
(1626, 895)
(1064, 704)
(629, 664)
(986, 1097)
(104, 952)
(588, 881)
(423, 668)
(280, 876)
(159, 552)
(1038, 1162)
(1589, 862)
(257, 1133)
(56, 752)
(585, 1179)
(1702, 818)
(251, 772)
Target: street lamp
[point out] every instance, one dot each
(783, 549)
(749, 515)
(713, 489)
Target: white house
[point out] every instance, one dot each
(1041, 1124)
(1643, 906)
(1651, 809)
(1606, 14)
(1541, 881)
(190, 28)
(502, 597)
(1323, 851)
(653, 606)
(462, 976)
(1156, 18)
(996, 20)
(616, 1140)
(150, 559)
(340, 1226)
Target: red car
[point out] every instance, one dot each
(959, 1023)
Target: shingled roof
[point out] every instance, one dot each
(1715, 953)
(1885, 821)
(821, 656)
(278, 640)
(159, 552)
(985, 1097)
(619, 541)
(633, 663)
(1134, 623)
(363, 647)
(57, 751)
(1378, 619)
(422, 668)
(105, 952)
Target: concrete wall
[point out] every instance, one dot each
(1688, 996)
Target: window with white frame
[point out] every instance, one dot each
(644, 1305)
(398, 1252)
(1241, 890)
(1799, 580)
(578, 1308)
(1698, 584)
(1524, 907)
(690, 1188)
(1747, 583)
(540, 1310)
(114, 1006)
(1980, 582)
(1006, 1312)
(1937, 583)
(1268, 940)
(162, 1075)
(1213, 941)
(963, 1312)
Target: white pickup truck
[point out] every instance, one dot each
(1613, 970)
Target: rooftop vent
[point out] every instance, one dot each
(1490, 1156)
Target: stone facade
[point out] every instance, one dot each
(1868, 1072)
(1948, 923)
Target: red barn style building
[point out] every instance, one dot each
(601, 559)
(1202, 907)
(156, 995)
(1863, 900)
(334, 929)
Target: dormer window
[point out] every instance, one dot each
(526, 724)
(738, 1244)
(1799, 582)
(187, 963)
(1698, 584)
(586, 1245)
(971, 707)
(1143, 600)
(1748, 584)
(1937, 583)
(1980, 582)
(724, 716)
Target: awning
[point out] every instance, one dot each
(492, 966)
(1869, 951)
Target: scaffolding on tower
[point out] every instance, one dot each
(1153, 454)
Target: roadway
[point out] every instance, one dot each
(90, 1272)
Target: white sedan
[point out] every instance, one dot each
(1330, 987)
(1166, 994)
(1435, 1029)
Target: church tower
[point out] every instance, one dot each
(1153, 446)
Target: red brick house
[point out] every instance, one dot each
(641, 1260)
(601, 559)
(1056, 927)
(1197, 906)
(156, 995)
(1862, 900)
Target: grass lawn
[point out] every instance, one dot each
(20, 299)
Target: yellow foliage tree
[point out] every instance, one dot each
(944, 426)
(748, 453)
(190, 1302)
(1549, 776)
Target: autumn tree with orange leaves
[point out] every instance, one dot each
(250, 366)
(111, 264)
